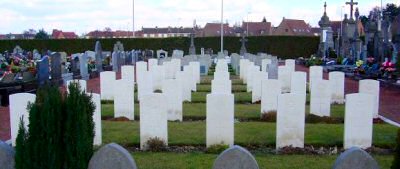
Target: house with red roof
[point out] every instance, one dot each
(214, 29)
(58, 34)
(293, 27)
(257, 28)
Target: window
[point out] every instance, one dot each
(286, 30)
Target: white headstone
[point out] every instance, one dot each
(190, 77)
(107, 80)
(176, 63)
(291, 64)
(270, 90)
(358, 121)
(221, 86)
(290, 121)
(336, 81)
(320, 102)
(186, 85)
(264, 64)
(145, 86)
(196, 71)
(128, 73)
(251, 71)
(299, 83)
(18, 108)
(97, 140)
(285, 75)
(371, 87)
(153, 119)
(316, 73)
(152, 63)
(141, 68)
(243, 68)
(221, 75)
(172, 89)
(220, 119)
(158, 75)
(124, 105)
(258, 77)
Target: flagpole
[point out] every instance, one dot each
(222, 26)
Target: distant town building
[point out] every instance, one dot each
(109, 34)
(257, 28)
(214, 29)
(293, 27)
(166, 32)
(337, 26)
(58, 34)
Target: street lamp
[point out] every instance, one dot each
(222, 26)
(133, 18)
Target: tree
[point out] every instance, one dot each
(42, 34)
(364, 20)
(264, 19)
(392, 10)
(60, 133)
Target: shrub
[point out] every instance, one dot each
(269, 116)
(156, 145)
(217, 148)
(60, 133)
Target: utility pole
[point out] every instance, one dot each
(133, 18)
(222, 26)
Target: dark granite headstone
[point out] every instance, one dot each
(355, 158)
(56, 72)
(99, 57)
(112, 156)
(235, 157)
(43, 70)
(7, 155)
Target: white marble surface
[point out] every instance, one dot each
(124, 105)
(371, 87)
(107, 80)
(18, 109)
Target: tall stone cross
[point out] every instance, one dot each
(243, 49)
(351, 3)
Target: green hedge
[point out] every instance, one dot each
(282, 46)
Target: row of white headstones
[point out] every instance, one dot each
(176, 87)
(287, 97)
(157, 108)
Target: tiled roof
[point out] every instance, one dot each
(257, 28)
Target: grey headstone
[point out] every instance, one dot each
(7, 155)
(99, 57)
(235, 157)
(112, 156)
(355, 158)
(43, 70)
(273, 69)
(115, 59)
(83, 67)
(56, 71)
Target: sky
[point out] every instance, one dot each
(82, 16)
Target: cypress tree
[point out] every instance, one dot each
(79, 128)
(21, 156)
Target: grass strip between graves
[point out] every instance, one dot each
(243, 112)
(150, 160)
(246, 134)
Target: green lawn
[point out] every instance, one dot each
(246, 133)
(146, 160)
(242, 111)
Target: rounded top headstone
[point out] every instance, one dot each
(355, 158)
(112, 156)
(6, 156)
(235, 157)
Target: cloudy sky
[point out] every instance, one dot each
(83, 16)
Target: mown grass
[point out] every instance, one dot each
(242, 111)
(199, 160)
(246, 133)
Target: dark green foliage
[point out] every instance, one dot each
(60, 131)
(156, 145)
(282, 46)
(396, 161)
(393, 10)
(42, 35)
(79, 127)
(217, 148)
(21, 157)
